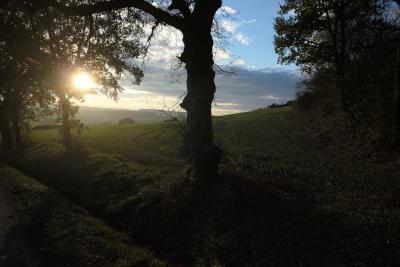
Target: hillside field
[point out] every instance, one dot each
(287, 197)
(244, 139)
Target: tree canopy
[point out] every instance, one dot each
(357, 43)
(76, 20)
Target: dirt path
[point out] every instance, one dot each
(15, 251)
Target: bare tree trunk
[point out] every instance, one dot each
(204, 155)
(16, 127)
(5, 128)
(65, 116)
(340, 60)
(396, 98)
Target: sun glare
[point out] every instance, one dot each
(83, 81)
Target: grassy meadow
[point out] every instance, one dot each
(160, 144)
(286, 196)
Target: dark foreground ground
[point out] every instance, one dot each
(15, 248)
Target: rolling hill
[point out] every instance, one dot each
(92, 115)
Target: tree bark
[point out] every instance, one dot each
(16, 127)
(65, 117)
(341, 60)
(396, 98)
(204, 155)
(5, 128)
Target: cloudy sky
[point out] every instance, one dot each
(257, 81)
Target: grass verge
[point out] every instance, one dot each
(67, 235)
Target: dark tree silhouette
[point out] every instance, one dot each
(61, 45)
(195, 20)
(357, 42)
(21, 89)
(315, 34)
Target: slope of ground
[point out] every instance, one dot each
(302, 200)
(92, 115)
(156, 145)
(62, 233)
(235, 222)
(15, 250)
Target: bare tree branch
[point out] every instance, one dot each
(87, 9)
(148, 42)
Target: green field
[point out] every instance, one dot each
(265, 143)
(262, 142)
(287, 195)
(253, 141)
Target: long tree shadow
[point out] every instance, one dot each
(237, 222)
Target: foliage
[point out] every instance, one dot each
(315, 34)
(50, 47)
(350, 48)
(22, 91)
(318, 94)
(287, 104)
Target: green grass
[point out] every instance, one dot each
(159, 145)
(225, 224)
(287, 195)
(67, 235)
(150, 144)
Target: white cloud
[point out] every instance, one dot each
(250, 21)
(165, 46)
(245, 90)
(271, 97)
(239, 62)
(228, 10)
(167, 43)
(229, 25)
(131, 103)
(243, 39)
(232, 26)
(221, 56)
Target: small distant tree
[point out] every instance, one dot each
(126, 121)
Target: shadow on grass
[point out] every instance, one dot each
(236, 223)
(233, 222)
(18, 252)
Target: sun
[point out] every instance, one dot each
(83, 81)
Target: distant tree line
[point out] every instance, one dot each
(351, 51)
(282, 105)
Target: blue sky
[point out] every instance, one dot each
(258, 82)
(260, 52)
